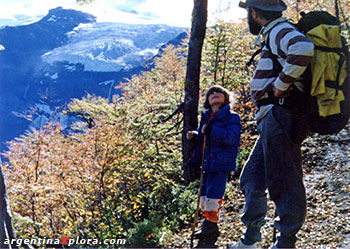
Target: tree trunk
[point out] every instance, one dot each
(199, 21)
(6, 227)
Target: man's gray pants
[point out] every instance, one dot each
(274, 165)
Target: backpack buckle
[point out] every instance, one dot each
(281, 101)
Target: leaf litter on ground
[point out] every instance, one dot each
(326, 167)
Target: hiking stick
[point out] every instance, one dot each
(199, 194)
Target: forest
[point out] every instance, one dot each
(117, 174)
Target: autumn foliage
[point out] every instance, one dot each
(117, 173)
(102, 181)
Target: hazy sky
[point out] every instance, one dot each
(172, 12)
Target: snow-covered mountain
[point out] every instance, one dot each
(75, 37)
(65, 55)
(111, 47)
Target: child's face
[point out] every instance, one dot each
(216, 98)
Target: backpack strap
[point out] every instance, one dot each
(335, 84)
(267, 44)
(328, 49)
(342, 60)
(252, 59)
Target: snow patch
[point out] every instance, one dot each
(160, 31)
(70, 68)
(53, 76)
(53, 18)
(83, 26)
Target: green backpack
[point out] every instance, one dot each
(328, 76)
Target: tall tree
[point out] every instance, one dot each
(198, 28)
(6, 227)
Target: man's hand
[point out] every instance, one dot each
(278, 93)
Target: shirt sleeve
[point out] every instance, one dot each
(297, 50)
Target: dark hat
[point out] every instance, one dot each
(267, 5)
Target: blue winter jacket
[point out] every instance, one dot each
(222, 141)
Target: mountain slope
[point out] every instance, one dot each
(65, 55)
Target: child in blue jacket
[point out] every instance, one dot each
(221, 128)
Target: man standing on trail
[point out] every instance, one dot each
(275, 161)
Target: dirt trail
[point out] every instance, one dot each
(326, 163)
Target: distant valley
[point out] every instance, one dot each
(66, 55)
